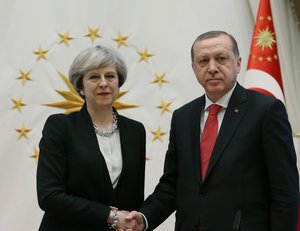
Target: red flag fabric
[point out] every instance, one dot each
(263, 71)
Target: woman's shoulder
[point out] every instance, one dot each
(57, 117)
(129, 121)
(61, 119)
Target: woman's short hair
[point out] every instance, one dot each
(95, 57)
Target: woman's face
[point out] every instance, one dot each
(101, 87)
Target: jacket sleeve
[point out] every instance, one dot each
(52, 175)
(280, 159)
(161, 203)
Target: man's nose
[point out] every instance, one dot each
(212, 67)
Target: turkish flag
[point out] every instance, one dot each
(263, 71)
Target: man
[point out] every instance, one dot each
(251, 181)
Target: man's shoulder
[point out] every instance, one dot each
(195, 104)
(260, 98)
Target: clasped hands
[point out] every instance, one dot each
(130, 221)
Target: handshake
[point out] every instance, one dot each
(125, 220)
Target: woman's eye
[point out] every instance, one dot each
(111, 77)
(94, 78)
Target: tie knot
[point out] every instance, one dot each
(214, 109)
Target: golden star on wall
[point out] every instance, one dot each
(164, 106)
(265, 39)
(18, 104)
(158, 134)
(41, 53)
(36, 154)
(74, 102)
(145, 55)
(24, 76)
(120, 105)
(93, 33)
(159, 79)
(65, 38)
(121, 40)
(23, 131)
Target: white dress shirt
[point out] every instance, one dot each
(110, 147)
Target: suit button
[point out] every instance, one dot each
(201, 192)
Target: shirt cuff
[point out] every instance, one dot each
(145, 221)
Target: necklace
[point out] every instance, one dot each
(110, 131)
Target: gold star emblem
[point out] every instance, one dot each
(65, 38)
(24, 76)
(120, 105)
(36, 154)
(269, 18)
(41, 53)
(74, 102)
(121, 40)
(269, 59)
(18, 104)
(93, 33)
(260, 59)
(275, 57)
(158, 134)
(23, 131)
(145, 55)
(261, 18)
(159, 79)
(164, 106)
(265, 38)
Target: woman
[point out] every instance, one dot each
(93, 161)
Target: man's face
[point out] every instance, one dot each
(215, 65)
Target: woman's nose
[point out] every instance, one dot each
(102, 81)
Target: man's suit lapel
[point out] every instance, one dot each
(234, 113)
(195, 136)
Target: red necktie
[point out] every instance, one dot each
(209, 136)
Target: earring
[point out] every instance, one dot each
(81, 92)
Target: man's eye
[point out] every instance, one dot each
(202, 62)
(222, 59)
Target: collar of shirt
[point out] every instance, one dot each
(222, 102)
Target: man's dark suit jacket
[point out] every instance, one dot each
(252, 180)
(73, 184)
